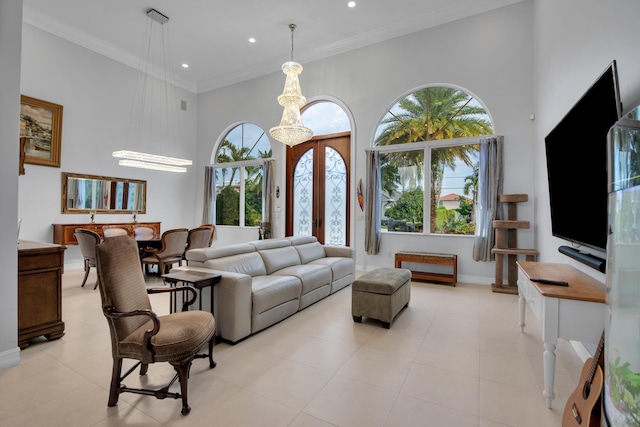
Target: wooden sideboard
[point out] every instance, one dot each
(39, 291)
(64, 234)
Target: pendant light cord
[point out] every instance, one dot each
(293, 27)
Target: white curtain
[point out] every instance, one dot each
(372, 204)
(208, 211)
(490, 179)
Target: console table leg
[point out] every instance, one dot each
(522, 305)
(549, 362)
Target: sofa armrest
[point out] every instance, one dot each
(232, 301)
(340, 251)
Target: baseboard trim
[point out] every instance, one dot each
(10, 358)
(580, 350)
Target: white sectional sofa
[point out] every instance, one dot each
(266, 281)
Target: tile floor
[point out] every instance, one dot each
(454, 357)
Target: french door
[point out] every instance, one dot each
(318, 190)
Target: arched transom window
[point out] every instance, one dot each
(425, 128)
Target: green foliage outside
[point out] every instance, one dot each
(409, 207)
(624, 387)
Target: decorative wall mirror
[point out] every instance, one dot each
(102, 194)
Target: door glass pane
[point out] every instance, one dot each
(335, 198)
(303, 195)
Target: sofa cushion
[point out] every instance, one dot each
(269, 244)
(248, 263)
(311, 276)
(340, 267)
(309, 252)
(271, 291)
(277, 259)
(204, 254)
(301, 240)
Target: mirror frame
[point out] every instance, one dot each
(65, 185)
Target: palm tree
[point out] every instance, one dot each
(429, 114)
(471, 186)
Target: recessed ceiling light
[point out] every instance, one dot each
(252, 40)
(351, 4)
(185, 65)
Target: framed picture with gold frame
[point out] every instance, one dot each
(41, 125)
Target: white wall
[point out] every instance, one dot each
(10, 34)
(489, 55)
(575, 41)
(97, 95)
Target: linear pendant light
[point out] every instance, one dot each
(139, 159)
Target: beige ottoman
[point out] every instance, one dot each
(380, 294)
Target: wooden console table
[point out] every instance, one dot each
(575, 312)
(64, 234)
(39, 291)
(430, 258)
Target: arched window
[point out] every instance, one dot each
(428, 128)
(239, 172)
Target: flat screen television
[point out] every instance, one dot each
(576, 151)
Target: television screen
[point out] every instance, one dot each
(576, 151)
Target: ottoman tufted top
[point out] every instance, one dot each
(382, 280)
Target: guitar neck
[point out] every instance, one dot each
(596, 358)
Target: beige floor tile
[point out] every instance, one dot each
(445, 388)
(516, 406)
(347, 402)
(377, 369)
(386, 341)
(305, 420)
(249, 409)
(322, 354)
(290, 383)
(409, 411)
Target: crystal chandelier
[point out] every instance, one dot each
(139, 159)
(291, 131)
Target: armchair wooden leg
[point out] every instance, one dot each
(143, 368)
(183, 376)
(86, 273)
(114, 390)
(212, 363)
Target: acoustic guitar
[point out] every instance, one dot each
(583, 406)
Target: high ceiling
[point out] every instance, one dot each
(212, 36)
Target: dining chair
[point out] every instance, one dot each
(173, 243)
(144, 232)
(87, 241)
(200, 237)
(213, 232)
(138, 333)
(115, 230)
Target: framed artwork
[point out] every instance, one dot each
(41, 125)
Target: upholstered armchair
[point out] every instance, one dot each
(87, 241)
(173, 245)
(140, 334)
